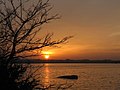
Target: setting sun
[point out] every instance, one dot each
(46, 56)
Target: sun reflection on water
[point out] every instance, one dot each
(46, 72)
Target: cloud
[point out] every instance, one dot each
(114, 34)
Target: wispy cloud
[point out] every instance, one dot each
(114, 34)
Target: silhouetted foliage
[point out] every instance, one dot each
(20, 22)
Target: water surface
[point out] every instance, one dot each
(91, 76)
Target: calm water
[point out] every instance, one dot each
(91, 76)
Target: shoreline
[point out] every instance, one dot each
(69, 61)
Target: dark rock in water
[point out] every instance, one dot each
(68, 77)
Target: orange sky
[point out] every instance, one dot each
(95, 25)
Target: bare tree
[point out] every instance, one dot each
(20, 22)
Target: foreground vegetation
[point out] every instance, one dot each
(20, 22)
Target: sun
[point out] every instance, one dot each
(46, 56)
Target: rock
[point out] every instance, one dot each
(68, 77)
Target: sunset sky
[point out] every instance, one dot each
(95, 25)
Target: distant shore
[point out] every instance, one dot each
(67, 61)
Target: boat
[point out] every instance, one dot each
(68, 77)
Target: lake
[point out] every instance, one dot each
(90, 76)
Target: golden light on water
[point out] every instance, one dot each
(47, 73)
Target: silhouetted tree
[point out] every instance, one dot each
(20, 22)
